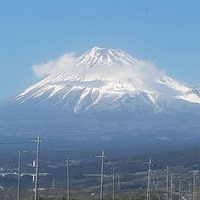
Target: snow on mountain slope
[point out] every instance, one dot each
(192, 95)
(103, 93)
(109, 79)
(165, 80)
(104, 56)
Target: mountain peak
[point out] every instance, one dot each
(105, 56)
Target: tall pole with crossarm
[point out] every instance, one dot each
(167, 187)
(68, 178)
(113, 176)
(102, 156)
(37, 165)
(19, 176)
(148, 179)
(194, 185)
(37, 141)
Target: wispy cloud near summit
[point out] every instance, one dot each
(69, 63)
(62, 64)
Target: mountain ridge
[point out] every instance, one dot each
(122, 95)
(105, 56)
(122, 79)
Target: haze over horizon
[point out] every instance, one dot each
(34, 32)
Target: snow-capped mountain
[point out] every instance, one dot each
(109, 79)
(106, 88)
(102, 56)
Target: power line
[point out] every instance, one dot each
(6, 143)
(54, 148)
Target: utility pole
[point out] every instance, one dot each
(19, 175)
(113, 176)
(179, 190)
(148, 180)
(119, 182)
(194, 185)
(37, 141)
(53, 184)
(150, 175)
(189, 191)
(167, 187)
(102, 156)
(68, 183)
(171, 187)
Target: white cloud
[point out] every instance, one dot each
(64, 63)
(144, 70)
(148, 70)
(67, 63)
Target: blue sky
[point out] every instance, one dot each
(32, 32)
